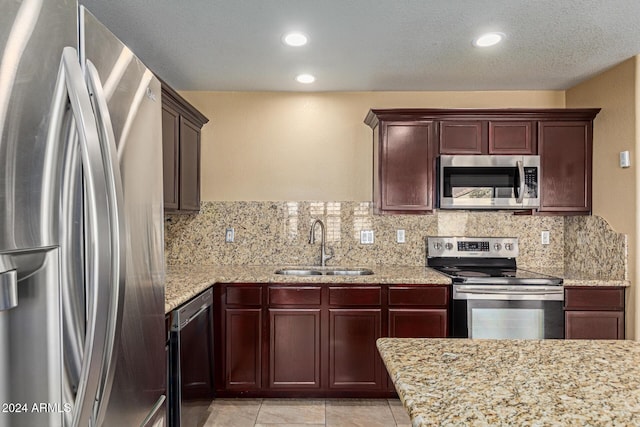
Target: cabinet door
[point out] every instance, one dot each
(594, 298)
(294, 348)
(170, 156)
(418, 323)
(243, 344)
(565, 157)
(406, 166)
(189, 165)
(354, 362)
(507, 137)
(462, 137)
(605, 325)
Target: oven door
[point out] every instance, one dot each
(508, 312)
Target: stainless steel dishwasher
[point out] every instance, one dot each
(191, 387)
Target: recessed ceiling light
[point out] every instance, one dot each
(305, 78)
(295, 39)
(488, 39)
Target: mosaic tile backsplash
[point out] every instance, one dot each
(277, 233)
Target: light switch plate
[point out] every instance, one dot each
(400, 237)
(366, 237)
(229, 235)
(545, 237)
(625, 159)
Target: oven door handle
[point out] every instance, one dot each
(504, 291)
(520, 166)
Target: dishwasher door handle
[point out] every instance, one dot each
(193, 316)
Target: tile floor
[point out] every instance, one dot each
(307, 413)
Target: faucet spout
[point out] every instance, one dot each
(312, 239)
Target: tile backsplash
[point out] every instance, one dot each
(277, 233)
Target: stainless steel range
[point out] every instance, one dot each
(492, 297)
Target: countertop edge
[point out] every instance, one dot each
(185, 282)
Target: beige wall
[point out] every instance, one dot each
(312, 146)
(615, 129)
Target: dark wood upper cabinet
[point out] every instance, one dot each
(512, 137)
(462, 137)
(565, 156)
(170, 156)
(408, 141)
(181, 126)
(403, 157)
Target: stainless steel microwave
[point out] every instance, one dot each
(489, 182)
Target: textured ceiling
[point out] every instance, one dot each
(375, 44)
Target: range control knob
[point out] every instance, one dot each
(437, 246)
(448, 246)
(497, 246)
(508, 246)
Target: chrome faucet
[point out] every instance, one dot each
(312, 239)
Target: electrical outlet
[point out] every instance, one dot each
(400, 236)
(229, 235)
(544, 237)
(366, 237)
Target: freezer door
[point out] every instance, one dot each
(32, 36)
(132, 94)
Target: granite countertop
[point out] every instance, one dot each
(515, 382)
(184, 282)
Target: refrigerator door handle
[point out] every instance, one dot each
(116, 203)
(70, 87)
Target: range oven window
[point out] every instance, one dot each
(503, 319)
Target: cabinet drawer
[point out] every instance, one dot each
(594, 298)
(294, 295)
(411, 295)
(361, 295)
(244, 295)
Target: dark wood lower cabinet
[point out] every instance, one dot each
(594, 313)
(418, 323)
(354, 362)
(294, 348)
(595, 325)
(316, 340)
(243, 348)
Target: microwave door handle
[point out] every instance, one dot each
(520, 166)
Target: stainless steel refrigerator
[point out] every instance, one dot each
(82, 338)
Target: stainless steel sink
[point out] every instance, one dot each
(349, 272)
(298, 272)
(324, 271)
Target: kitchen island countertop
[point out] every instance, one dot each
(515, 382)
(184, 282)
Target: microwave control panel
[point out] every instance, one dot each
(531, 182)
